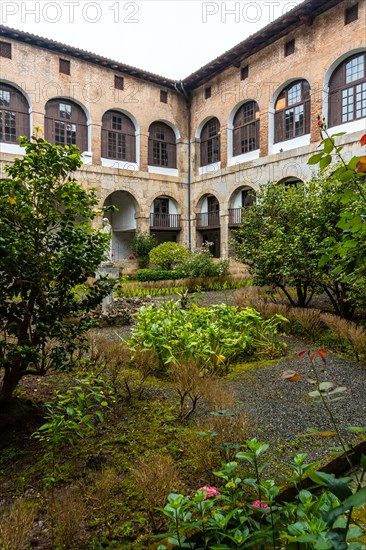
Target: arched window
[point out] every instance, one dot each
(210, 142)
(162, 146)
(14, 114)
(246, 129)
(292, 116)
(118, 137)
(65, 124)
(347, 91)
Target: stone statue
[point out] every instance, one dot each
(107, 228)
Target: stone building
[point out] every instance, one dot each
(182, 159)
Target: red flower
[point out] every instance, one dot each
(363, 140)
(320, 123)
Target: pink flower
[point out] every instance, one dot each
(259, 504)
(210, 491)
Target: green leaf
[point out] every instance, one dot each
(315, 158)
(325, 161)
(328, 145)
(357, 499)
(339, 489)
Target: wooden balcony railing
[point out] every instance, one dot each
(163, 222)
(208, 220)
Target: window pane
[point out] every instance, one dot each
(289, 124)
(121, 146)
(59, 133)
(347, 105)
(355, 69)
(294, 94)
(212, 128)
(248, 112)
(361, 100)
(299, 120)
(4, 98)
(9, 127)
(71, 134)
(160, 153)
(65, 110)
(117, 123)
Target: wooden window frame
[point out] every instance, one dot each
(338, 85)
(162, 146)
(14, 114)
(351, 14)
(5, 49)
(118, 137)
(208, 92)
(281, 113)
(289, 48)
(55, 122)
(244, 72)
(64, 66)
(245, 130)
(163, 96)
(119, 82)
(210, 143)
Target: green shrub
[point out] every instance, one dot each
(167, 254)
(245, 512)
(157, 275)
(141, 246)
(212, 338)
(200, 263)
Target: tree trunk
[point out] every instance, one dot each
(13, 374)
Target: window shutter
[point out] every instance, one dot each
(279, 126)
(106, 125)
(307, 115)
(204, 154)
(335, 95)
(49, 133)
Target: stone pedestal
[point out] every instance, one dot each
(107, 270)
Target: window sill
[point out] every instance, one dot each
(244, 157)
(120, 164)
(349, 127)
(163, 171)
(294, 143)
(12, 148)
(87, 157)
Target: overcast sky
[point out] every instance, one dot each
(172, 38)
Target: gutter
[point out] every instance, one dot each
(179, 86)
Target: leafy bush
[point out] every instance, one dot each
(247, 513)
(157, 275)
(167, 254)
(213, 337)
(141, 246)
(200, 264)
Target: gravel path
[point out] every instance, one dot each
(283, 413)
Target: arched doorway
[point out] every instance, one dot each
(123, 222)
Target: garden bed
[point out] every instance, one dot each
(137, 431)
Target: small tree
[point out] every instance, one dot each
(142, 244)
(47, 246)
(280, 239)
(167, 254)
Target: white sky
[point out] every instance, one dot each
(172, 38)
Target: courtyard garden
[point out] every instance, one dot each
(227, 411)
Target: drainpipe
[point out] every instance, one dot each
(179, 86)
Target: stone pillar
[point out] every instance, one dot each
(224, 235)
